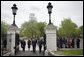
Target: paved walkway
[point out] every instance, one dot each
(26, 47)
(29, 53)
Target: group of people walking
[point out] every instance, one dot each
(34, 42)
(68, 43)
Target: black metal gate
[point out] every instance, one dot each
(5, 44)
(16, 43)
(3, 37)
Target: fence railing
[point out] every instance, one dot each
(4, 50)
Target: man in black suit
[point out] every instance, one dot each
(23, 45)
(34, 45)
(40, 45)
(78, 43)
(72, 43)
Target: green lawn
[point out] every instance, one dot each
(70, 52)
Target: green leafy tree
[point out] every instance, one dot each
(67, 28)
(28, 28)
(81, 31)
(60, 32)
(3, 27)
(76, 33)
(41, 26)
(32, 29)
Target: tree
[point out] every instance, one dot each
(78, 32)
(3, 27)
(60, 32)
(41, 26)
(32, 29)
(67, 28)
(81, 31)
(28, 28)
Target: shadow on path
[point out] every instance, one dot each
(29, 53)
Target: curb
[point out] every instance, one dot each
(7, 54)
(53, 54)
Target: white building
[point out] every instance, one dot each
(32, 16)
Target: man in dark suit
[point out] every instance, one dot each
(33, 45)
(44, 44)
(78, 43)
(40, 45)
(29, 43)
(61, 42)
(23, 43)
(72, 43)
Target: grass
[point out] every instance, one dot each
(70, 52)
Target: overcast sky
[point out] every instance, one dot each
(60, 10)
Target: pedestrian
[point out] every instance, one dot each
(33, 45)
(44, 49)
(68, 43)
(58, 45)
(44, 43)
(23, 45)
(65, 43)
(78, 43)
(5, 44)
(40, 45)
(21, 41)
(72, 43)
(29, 43)
(61, 42)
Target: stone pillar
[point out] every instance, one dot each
(51, 38)
(9, 36)
(11, 40)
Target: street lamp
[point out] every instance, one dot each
(49, 7)
(14, 9)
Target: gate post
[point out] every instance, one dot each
(12, 30)
(51, 37)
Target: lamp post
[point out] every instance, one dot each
(49, 7)
(14, 9)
